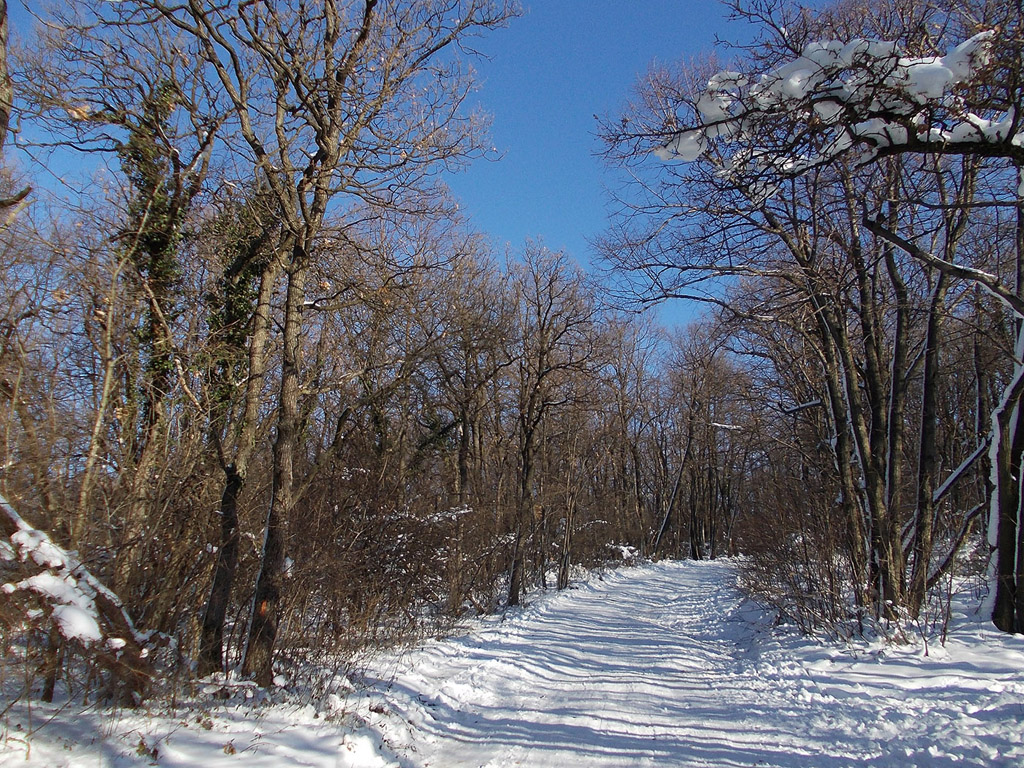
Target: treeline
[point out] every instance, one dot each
(262, 382)
(847, 194)
(470, 430)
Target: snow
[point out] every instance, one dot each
(719, 100)
(67, 586)
(63, 590)
(663, 664)
(73, 610)
(687, 146)
(37, 545)
(669, 665)
(77, 623)
(866, 94)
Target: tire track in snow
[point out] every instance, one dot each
(629, 670)
(651, 666)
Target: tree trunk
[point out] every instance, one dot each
(565, 556)
(6, 87)
(263, 623)
(211, 639)
(524, 513)
(1006, 504)
(928, 451)
(850, 501)
(1007, 465)
(465, 435)
(515, 581)
(134, 549)
(99, 425)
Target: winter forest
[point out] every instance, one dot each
(268, 399)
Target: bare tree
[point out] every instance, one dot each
(556, 316)
(345, 99)
(818, 170)
(6, 103)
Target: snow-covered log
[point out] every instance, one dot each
(75, 603)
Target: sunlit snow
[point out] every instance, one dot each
(659, 665)
(866, 92)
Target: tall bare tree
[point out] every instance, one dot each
(838, 198)
(331, 103)
(556, 315)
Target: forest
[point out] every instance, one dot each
(267, 398)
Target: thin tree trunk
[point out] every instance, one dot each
(92, 458)
(1007, 465)
(6, 86)
(1017, 439)
(211, 637)
(928, 451)
(1006, 502)
(638, 509)
(524, 514)
(134, 548)
(565, 561)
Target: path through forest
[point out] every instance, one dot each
(666, 665)
(660, 665)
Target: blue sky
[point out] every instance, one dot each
(543, 79)
(547, 75)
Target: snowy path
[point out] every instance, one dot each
(657, 667)
(661, 665)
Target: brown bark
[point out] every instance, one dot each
(928, 462)
(211, 640)
(6, 86)
(1008, 611)
(263, 624)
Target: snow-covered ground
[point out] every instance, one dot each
(660, 665)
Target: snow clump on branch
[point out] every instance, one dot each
(861, 96)
(65, 586)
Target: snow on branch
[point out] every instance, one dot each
(82, 609)
(986, 280)
(862, 98)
